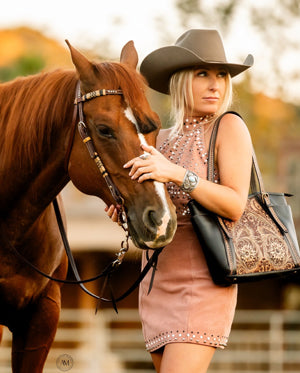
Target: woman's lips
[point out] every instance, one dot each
(211, 99)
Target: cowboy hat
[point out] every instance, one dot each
(193, 48)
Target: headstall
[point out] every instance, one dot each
(87, 140)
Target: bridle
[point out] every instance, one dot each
(107, 272)
(87, 140)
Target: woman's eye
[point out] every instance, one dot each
(201, 73)
(222, 74)
(105, 131)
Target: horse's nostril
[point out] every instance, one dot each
(151, 219)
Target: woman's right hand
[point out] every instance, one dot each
(113, 212)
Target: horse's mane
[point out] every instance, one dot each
(33, 109)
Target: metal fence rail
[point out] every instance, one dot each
(260, 342)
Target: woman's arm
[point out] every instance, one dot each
(234, 159)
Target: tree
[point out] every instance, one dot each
(26, 65)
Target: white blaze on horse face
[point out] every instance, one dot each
(129, 115)
(159, 187)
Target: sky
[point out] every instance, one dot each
(151, 24)
(87, 22)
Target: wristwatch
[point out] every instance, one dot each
(190, 181)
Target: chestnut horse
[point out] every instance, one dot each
(40, 152)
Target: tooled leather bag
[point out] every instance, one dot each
(260, 245)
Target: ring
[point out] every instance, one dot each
(144, 156)
(149, 175)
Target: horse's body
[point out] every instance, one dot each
(36, 162)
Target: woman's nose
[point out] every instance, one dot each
(213, 85)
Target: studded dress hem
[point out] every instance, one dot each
(182, 336)
(184, 305)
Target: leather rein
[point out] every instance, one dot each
(108, 271)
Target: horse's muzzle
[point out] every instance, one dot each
(154, 229)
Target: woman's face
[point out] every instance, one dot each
(208, 89)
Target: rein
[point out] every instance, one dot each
(107, 272)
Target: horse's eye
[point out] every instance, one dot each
(105, 131)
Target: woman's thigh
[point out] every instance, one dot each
(183, 358)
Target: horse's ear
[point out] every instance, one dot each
(129, 55)
(82, 64)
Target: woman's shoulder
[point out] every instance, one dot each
(233, 123)
(233, 131)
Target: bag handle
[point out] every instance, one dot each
(256, 182)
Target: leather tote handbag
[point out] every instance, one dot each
(260, 245)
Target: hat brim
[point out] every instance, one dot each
(159, 65)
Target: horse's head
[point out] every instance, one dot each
(118, 125)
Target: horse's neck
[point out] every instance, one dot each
(32, 155)
(32, 195)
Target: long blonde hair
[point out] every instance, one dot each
(182, 97)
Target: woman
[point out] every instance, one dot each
(186, 316)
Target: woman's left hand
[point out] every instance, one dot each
(152, 165)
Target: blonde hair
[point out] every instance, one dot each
(182, 96)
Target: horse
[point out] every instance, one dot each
(40, 152)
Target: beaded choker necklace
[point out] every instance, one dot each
(196, 120)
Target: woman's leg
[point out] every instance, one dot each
(156, 358)
(183, 358)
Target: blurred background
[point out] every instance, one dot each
(266, 330)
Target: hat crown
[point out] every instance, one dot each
(205, 44)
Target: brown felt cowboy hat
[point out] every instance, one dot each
(193, 48)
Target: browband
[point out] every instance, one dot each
(98, 93)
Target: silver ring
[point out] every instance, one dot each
(149, 175)
(144, 156)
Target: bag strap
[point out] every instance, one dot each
(256, 182)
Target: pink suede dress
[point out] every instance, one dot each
(184, 304)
